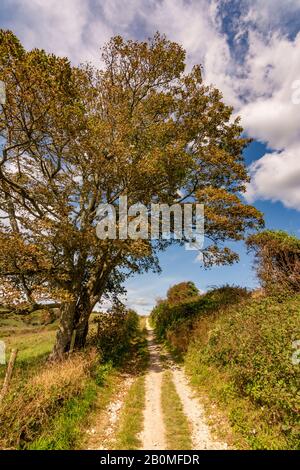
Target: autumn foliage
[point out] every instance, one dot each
(75, 137)
(277, 257)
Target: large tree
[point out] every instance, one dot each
(74, 137)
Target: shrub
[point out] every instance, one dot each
(182, 292)
(176, 322)
(277, 256)
(115, 330)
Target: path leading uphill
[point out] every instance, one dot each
(153, 435)
(105, 424)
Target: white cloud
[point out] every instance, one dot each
(276, 176)
(270, 14)
(66, 28)
(259, 86)
(271, 116)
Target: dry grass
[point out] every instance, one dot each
(26, 410)
(62, 374)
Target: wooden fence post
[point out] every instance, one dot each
(9, 371)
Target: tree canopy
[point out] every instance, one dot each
(75, 137)
(181, 292)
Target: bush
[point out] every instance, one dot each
(277, 256)
(182, 292)
(176, 322)
(115, 330)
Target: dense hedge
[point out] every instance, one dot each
(252, 345)
(167, 318)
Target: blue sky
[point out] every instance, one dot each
(250, 50)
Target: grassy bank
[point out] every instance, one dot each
(48, 405)
(64, 431)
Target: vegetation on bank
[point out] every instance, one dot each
(238, 351)
(30, 406)
(246, 354)
(176, 322)
(114, 333)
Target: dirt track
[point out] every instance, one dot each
(153, 435)
(101, 435)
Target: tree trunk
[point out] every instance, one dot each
(64, 333)
(82, 329)
(75, 315)
(83, 312)
(89, 296)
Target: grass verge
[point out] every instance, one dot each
(65, 430)
(178, 435)
(131, 419)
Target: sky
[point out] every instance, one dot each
(249, 49)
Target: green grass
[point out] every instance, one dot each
(65, 430)
(131, 419)
(31, 345)
(241, 360)
(33, 339)
(33, 349)
(178, 434)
